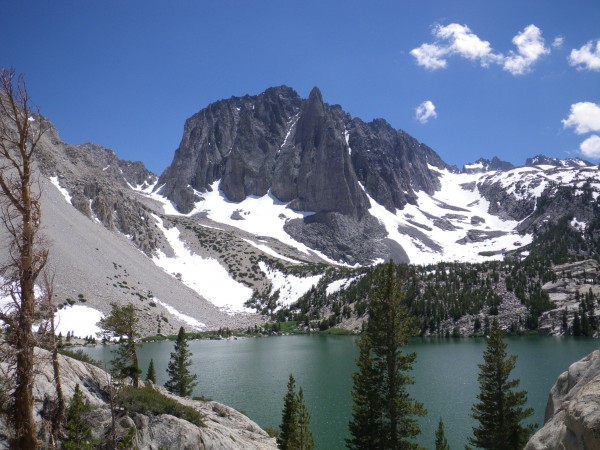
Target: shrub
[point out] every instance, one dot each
(149, 401)
(80, 355)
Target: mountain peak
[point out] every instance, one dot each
(540, 160)
(485, 165)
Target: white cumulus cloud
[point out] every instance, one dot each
(430, 56)
(458, 40)
(453, 39)
(558, 42)
(587, 57)
(591, 147)
(425, 111)
(530, 47)
(584, 117)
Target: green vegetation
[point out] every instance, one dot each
(78, 430)
(80, 355)
(151, 374)
(500, 409)
(383, 413)
(441, 443)
(146, 400)
(294, 432)
(123, 321)
(181, 380)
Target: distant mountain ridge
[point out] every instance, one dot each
(540, 160)
(266, 193)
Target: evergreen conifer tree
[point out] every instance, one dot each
(301, 437)
(294, 431)
(181, 380)
(383, 413)
(500, 409)
(123, 321)
(79, 432)
(441, 443)
(288, 423)
(151, 374)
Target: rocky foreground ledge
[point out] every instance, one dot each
(572, 419)
(225, 428)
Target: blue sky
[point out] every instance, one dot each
(502, 77)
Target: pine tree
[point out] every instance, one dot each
(301, 437)
(383, 413)
(286, 429)
(151, 374)
(500, 410)
(123, 321)
(294, 431)
(181, 380)
(441, 443)
(79, 432)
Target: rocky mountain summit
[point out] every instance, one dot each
(310, 155)
(225, 428)
(485, 165)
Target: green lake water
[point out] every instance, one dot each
(251, 375)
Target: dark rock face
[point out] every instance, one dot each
(316, 173)
(234, 140)
(311, 155)
(391, 164)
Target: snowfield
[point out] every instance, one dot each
(80, 320)
(453, 224)
(291, 287)
(204, 275)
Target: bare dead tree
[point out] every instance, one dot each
(47, 312)
(21, 129)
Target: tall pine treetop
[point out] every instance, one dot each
(181, 380)
(500, 409)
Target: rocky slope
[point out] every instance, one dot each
(225, 427)
(572, 418)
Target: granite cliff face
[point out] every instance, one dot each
(572, 419)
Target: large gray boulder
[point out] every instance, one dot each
(572, 419)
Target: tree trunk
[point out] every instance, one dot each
(25, 438)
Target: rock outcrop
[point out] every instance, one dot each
(99, 184)
(225, 427)
(572, 418)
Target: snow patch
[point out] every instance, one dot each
(197, 325)
(269, 251)
(80, 320)
(291, 287)
(204, 275)
(336, 285)
(63, 191)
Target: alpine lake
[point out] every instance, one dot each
(250, 374)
